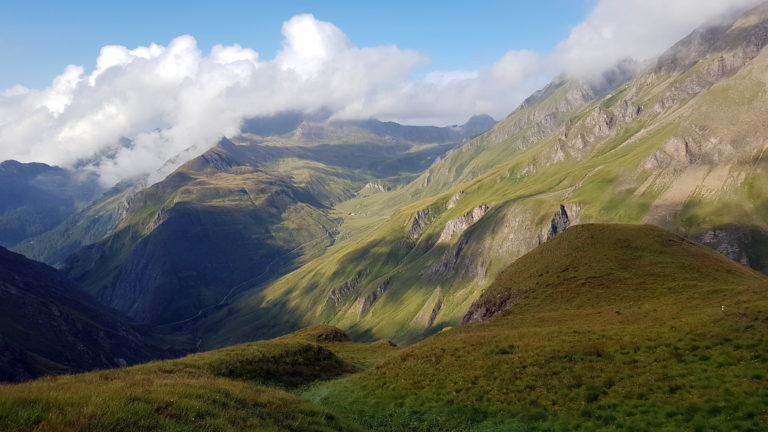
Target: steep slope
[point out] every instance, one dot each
(48, 326)
(245, 211)
(35, 198)
(680, 146)
(605, 327)
(234, 389)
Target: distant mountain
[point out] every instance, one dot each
(86, 226)
(47, 325)
(243, 212)
(293, 121)
(36, 197)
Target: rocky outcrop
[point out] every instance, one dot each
(674, 153)
(339, 294)
(699, 147)
(454, 199)
(434, 313)
(559, 223)
(376, 187)
(727, 241)
(448, 263)
(429, 312)
(365, 304)
(743, 244)
(420, 221)
(457, 226)
(482, 310)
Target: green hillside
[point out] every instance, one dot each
(606, 327)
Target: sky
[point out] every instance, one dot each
(39, 38)
(136, 89)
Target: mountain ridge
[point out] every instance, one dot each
(657, 149)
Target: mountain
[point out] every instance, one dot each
(88, 225)
(245, 211)
(680, 145)
(292, 122)
(48, 326)
(604, 327)
(36, 197)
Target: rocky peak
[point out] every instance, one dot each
(477, 124)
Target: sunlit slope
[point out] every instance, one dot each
(606, 327)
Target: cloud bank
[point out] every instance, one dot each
(641, 29)
(144, 111)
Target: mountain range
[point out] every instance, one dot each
(594, 261)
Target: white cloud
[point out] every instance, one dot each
(172, 102)
(640, 29)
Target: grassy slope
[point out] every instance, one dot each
(610, 179)
(615, 328)
(238, 388)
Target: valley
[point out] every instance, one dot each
(276, 258)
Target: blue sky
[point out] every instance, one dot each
(39, 38)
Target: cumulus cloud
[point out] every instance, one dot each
(146, 110)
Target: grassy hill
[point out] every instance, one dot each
(244, 387)
(606, 327)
